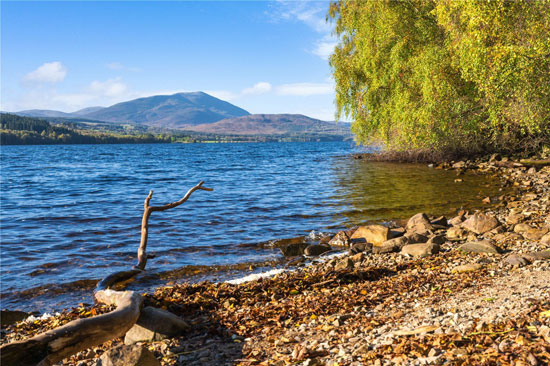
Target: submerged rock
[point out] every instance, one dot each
(293, 250)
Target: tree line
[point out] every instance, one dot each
(446, 76)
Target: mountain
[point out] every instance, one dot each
(85, 111)
(43, 113)
(169, 111)
(272, 124)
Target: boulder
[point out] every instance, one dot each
(155, 325)
(345, 263)
(293, 250)
(415, 238)
(420, 250)
(513, 219)
(279, 243)
(437, 239)
(125, 355)
(440, 221)
(470, 267)
(456, 233)
(457, 220)
(419, 224)
(360, 247)
(480, 223)
(341, 239)
(517, 260)
(535, 234)
(375, 234)
(483, 246)
(545, 239)
(317, 249)
(357, 258)
(521, 228)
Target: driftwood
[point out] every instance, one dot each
(48, 348)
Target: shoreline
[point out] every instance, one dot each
(375, 308)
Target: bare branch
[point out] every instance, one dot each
(177, 203)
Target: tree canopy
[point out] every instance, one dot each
(447, 75)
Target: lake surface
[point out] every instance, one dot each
(71, 214)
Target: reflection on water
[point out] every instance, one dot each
(71, 214)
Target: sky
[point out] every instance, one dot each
(263, 56)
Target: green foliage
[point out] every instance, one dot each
(443, 75)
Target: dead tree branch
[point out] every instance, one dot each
(50, 347)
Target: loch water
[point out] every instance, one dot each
(71, 214)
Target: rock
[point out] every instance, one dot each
(284, 242)
(483, 246)
(480, 223)
(457, 233)
(535, 233)
(392, 245)
(521, 228)
(457, 220)
(9, 317)
(436, 239)
(471, 267)
(440, 221)
(375, 234)
(125, 355)
(420, 250)
(357, 257)
(317, 249)
(419, 224)
(545, 239)
(415, 238)
(360, 247)
(155, 325)
(293, 250)
(513, 219)
(341, 239)
(345, 263)
(517, 260)
(535, 256)
(459, 165)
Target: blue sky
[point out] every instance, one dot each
(264, 56)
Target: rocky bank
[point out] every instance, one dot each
(473, 289)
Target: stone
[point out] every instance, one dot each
(360, 247)
(470, 267)
(535, 256)
(440, 221)
(420, 250)
(483, 246)
(419, 224)
(480, 223)
(517, 260)
(459, 165)
(357, 257)
(284, 242)
(317, 249)
(345, 263)
(9, 317)
(513, 219)
(437, 239)
(456, 233)
(155, 325)
(397, 243)
(535, 233)
(545, 239)
(341, 239)
(415, 238)
(521, 228)
(125, 355)
(457, 220)
(293, 250)
(375, 234)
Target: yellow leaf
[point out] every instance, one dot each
(545, 314)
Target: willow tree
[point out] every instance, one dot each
(401, 73)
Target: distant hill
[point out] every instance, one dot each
(85, 111)
(273, 124)
(169, 111)
(43, 113)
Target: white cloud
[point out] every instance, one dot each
(311, 13)
(50, 72)
(325, 47)
(305, 89)
(109, 88)
(258, 88)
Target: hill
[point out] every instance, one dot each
(169, 111)
(273, 124)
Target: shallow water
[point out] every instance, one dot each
(71, 214)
